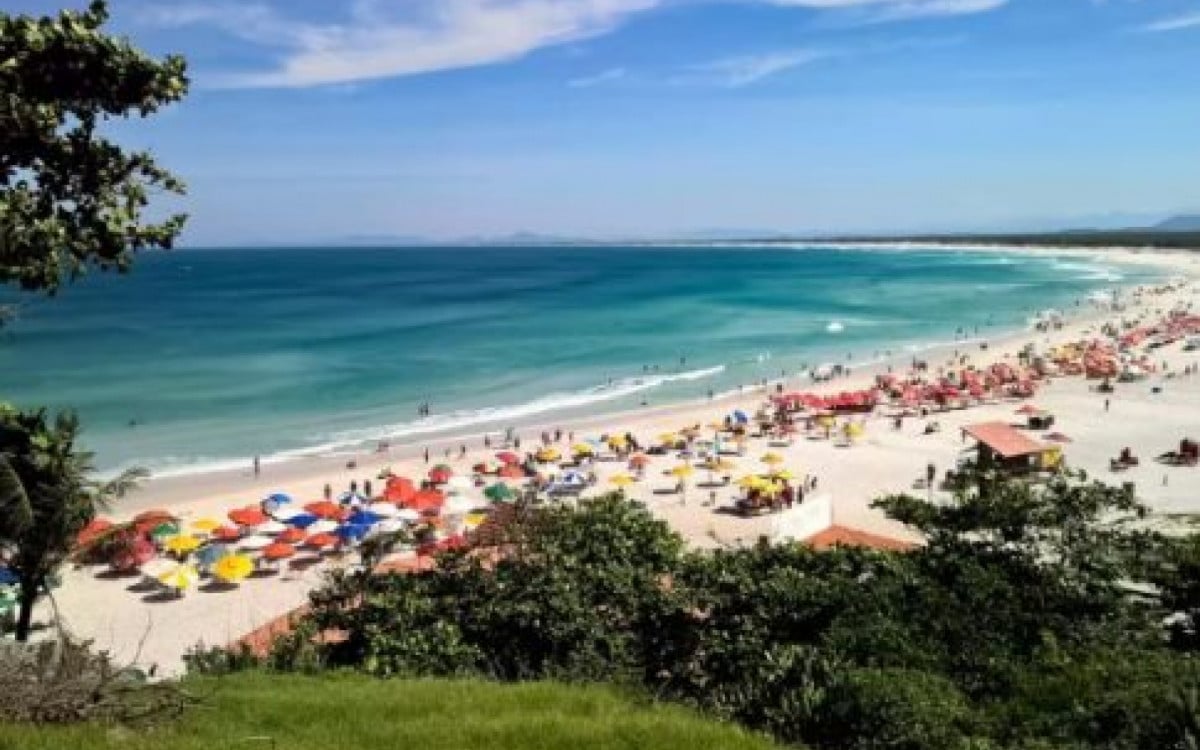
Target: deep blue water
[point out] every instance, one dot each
(221, 354)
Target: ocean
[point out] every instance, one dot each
(200, 359)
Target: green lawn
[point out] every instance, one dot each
(345, 712)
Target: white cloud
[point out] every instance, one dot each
(605, 76)
(374, 39)
(1175, 23)
(735, 72)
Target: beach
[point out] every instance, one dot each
(153, 631)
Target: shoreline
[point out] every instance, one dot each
(285, 466)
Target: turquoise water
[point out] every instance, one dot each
(206, 357)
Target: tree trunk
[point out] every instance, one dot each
(29, 592)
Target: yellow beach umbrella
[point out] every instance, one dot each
(854, 430)
(750, 482)
(783, 475)
(181, 578)
(720, 464)
(622, 480)
(182, 544)
(772, 459)
(549, 454)
(617, 442)
(582, 449)
(205, 525)
(473, 520)
(682, 471)
(233, 568)
(826, 420)
(668, 438)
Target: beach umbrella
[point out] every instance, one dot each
(549, 455)
(720, 464)
(621, 480)
(227, 534)
(573, 478)
(391, 526)
(751, 482)
(182, 544)
(772, 459)
(499, 492)
(398, 489)
(180, 578)
(143, 522)
(291, 535)
(324, 509)
(205, 525)
(352, 532)
(617, 442)
(287, 513)
(233, 568)
(639, 461)
(682, 471)
(459, 505)
(783, 475)
(740, 416)
(320, 541)
(302, 520)
(508, 457)
(440, 474)
(248, 516)
(511, 471)
(256, 542)
(364, 518)
(93, 531)
(156, 567)
(278, 551)
(383, 510)
(668, 438)
(164, 530)
(271, 527)
(208, 555)
(279, 498)
(582, 449)
(324, 526)
(426, 500)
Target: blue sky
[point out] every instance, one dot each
(317, 119)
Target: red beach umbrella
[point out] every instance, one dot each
(93, 531)
(291, 535)
(508, 457)
(227, 534)
(398, 489)
(426, 500)
(440, 475)
(147, 520)
(511, 471)
(278, 551)
(321, 541)
(324, 509)
(248, 516)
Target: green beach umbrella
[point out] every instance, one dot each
(164, 530)
(499, 492)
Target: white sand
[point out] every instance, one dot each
(134, 625)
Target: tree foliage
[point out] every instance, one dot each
(1023, 622)
(47, 495)
(71, 198)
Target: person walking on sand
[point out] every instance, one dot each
(328, 492)
(257, 467)
(426, 455)
(1105, 404)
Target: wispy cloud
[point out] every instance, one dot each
(1174, 23)
(898, 10)
(372, 39)
(605, 76)
(735, 72)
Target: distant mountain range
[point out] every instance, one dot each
(1185, 223)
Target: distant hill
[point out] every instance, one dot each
(1184, 223)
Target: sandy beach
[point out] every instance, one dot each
(1150, 416)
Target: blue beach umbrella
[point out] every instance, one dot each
(364, 518)
(302, 521)
(352, 532)
(741, 417)
(281, 498)
(209, 554)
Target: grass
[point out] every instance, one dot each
(347, 712)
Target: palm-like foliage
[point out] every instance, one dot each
(48, 494)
